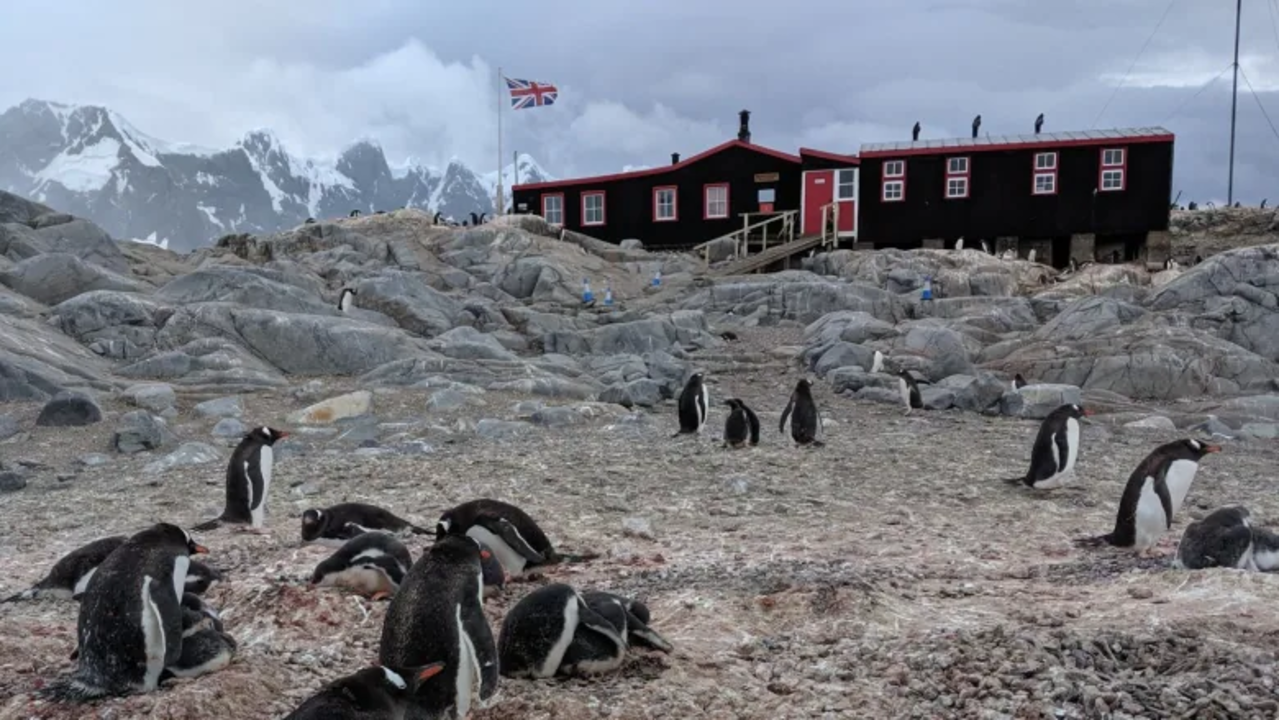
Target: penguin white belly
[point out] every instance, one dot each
(181, 564)
(468, 670)
(83, 583)
(1246, 560)
(366, 579)
(510, 559)
(905, 391)
(702, 410)
(152, 637)
(257, 507)
(555, 656)
(1072, 444)
(878, 364)
(1181, 473)
(1150, 521)
(345, 303)
(1264, 559)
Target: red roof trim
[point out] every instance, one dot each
(1043, 146)
(659, 170)
(836, 157)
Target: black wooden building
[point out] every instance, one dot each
(682, 204)
(1069, 194)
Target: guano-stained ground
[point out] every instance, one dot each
(889, 574)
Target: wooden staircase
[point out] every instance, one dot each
(761, 260)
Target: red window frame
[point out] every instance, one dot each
(603, 207)
(893, 178)
(966, 176)
(706, 203)
(1036, 171)
(674, 190)
(1121, 167)
(553, 195)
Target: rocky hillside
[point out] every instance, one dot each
(498, 307)
(92, 162)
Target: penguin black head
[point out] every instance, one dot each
(443, 525)
(697, 377)
(172, 534)
(312, 523)
(266, 435)
(1078, 411)
(904, 373)
(733, 403)
(1197, 449)
(458, 549)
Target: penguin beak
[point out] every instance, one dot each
(1212, 448)
(430, 671)
(201, 550)
(485, 554)
(282, 434)
(1089, 412)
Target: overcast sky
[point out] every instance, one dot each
(639, 80)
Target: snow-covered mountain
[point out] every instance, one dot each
(90, 161)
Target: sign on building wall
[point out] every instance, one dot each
(767, 177)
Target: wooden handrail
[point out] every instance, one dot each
(786, 219)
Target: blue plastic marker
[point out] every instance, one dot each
(587, 295)
(657, 278)
(608, 294)
(928, 288)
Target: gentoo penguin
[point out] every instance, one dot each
(200, 577)
(694, 400)
(435, 219)
(908, 386)
(634, 625)
(553, 631)
(985, 247)
(345, 299)
(70, 575)
(1030, 256)
(375, 693)
(805, 421)
(1056, 448)
(1153, 495)
(1008, 255)
(438, 616)
(508, 531)
(742, 424)
(959, 244)
(1019, 382)
(373, 564)
(130, 625)
(336, 524)
(494, 573)
(355, 213)
(248, 480)
(206, 647)
(877, 364)
(1221, 539)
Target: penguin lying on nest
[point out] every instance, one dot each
(336, 524)
(1227, 538)
(555, 630)
(1153, 495)
(70, 575)
(508, 531)
(370, 694)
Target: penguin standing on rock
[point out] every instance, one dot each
(375, 693)
(1056, 448)
(130, 625)
(694, 400)
(1019, 382)
(373, 564)
(248, 480)
(345, 299)
(805, 421)
(909, 388)
(742, 424)
(437, 616)
(1153, 495)
(70, 575)
(508, 531)
(877, 362)
(341, 522)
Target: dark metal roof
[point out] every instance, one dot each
(987, 141)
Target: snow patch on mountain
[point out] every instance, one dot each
(86, 170)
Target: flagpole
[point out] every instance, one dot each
(501, 206)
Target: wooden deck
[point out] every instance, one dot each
(761, 260)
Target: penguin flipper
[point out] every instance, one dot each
(414, 529)
(1165, 499)
(753, 419)
(24, 595)
(647, 635)
(507, 532)
(790, 405)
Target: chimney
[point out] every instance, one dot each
(744, 132)
(675, 158)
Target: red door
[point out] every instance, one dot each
(846, 178)
(819, 189)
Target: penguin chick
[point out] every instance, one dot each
(338, 523)
(1223, 538)
(375, 693)
(200, 577)
(373, 564)
(70, 575)
(742, 424)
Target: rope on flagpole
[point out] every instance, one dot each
(500, 206)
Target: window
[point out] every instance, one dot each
(664, 209)
(1114, 169)
(593, 208)
(847, 185)
(767, 195)
(956, 178)
(716, 205)
(1045, 174)
(553, 208)
(893, 187)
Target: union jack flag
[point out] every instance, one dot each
(529, 93)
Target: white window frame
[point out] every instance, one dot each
(958, 184)
(951, 168)
(586, 208)
(708, 202)
(899, 186)
(1043, 167)
(1051, 177)
(1108, 163)
(1116, 175)
(891, 165)
(956, 187)
(851, 185)
(546, 209)
(658, 205)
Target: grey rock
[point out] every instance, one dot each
(51, 278)
(11, 481)
(93, 459)
(8, 427)
(638, 527)
(1087, 317)
(687, 329)
(636, 393)
(854, 378)
(1262, 406)
(415, 306)
(849, 326)
(138, 431)
(632, 244)
(187, 455)
(838, 355)
(797, 295)
(447, 399)
(414, 447)
(879, 395)
(69, 409)
(467, 343)
(207, 364)
(230, 428)
(558, 417)
(976, 394)
(947, 351)
(1213, 426)
(156, 397)
(1263, 431)
(1038, 400)
(121, 324)
(936, 398)
(251, 287)
(493, 429)
(1153, 422)
(223, 407)
(37, 362)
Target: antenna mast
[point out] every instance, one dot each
(1234, 108)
